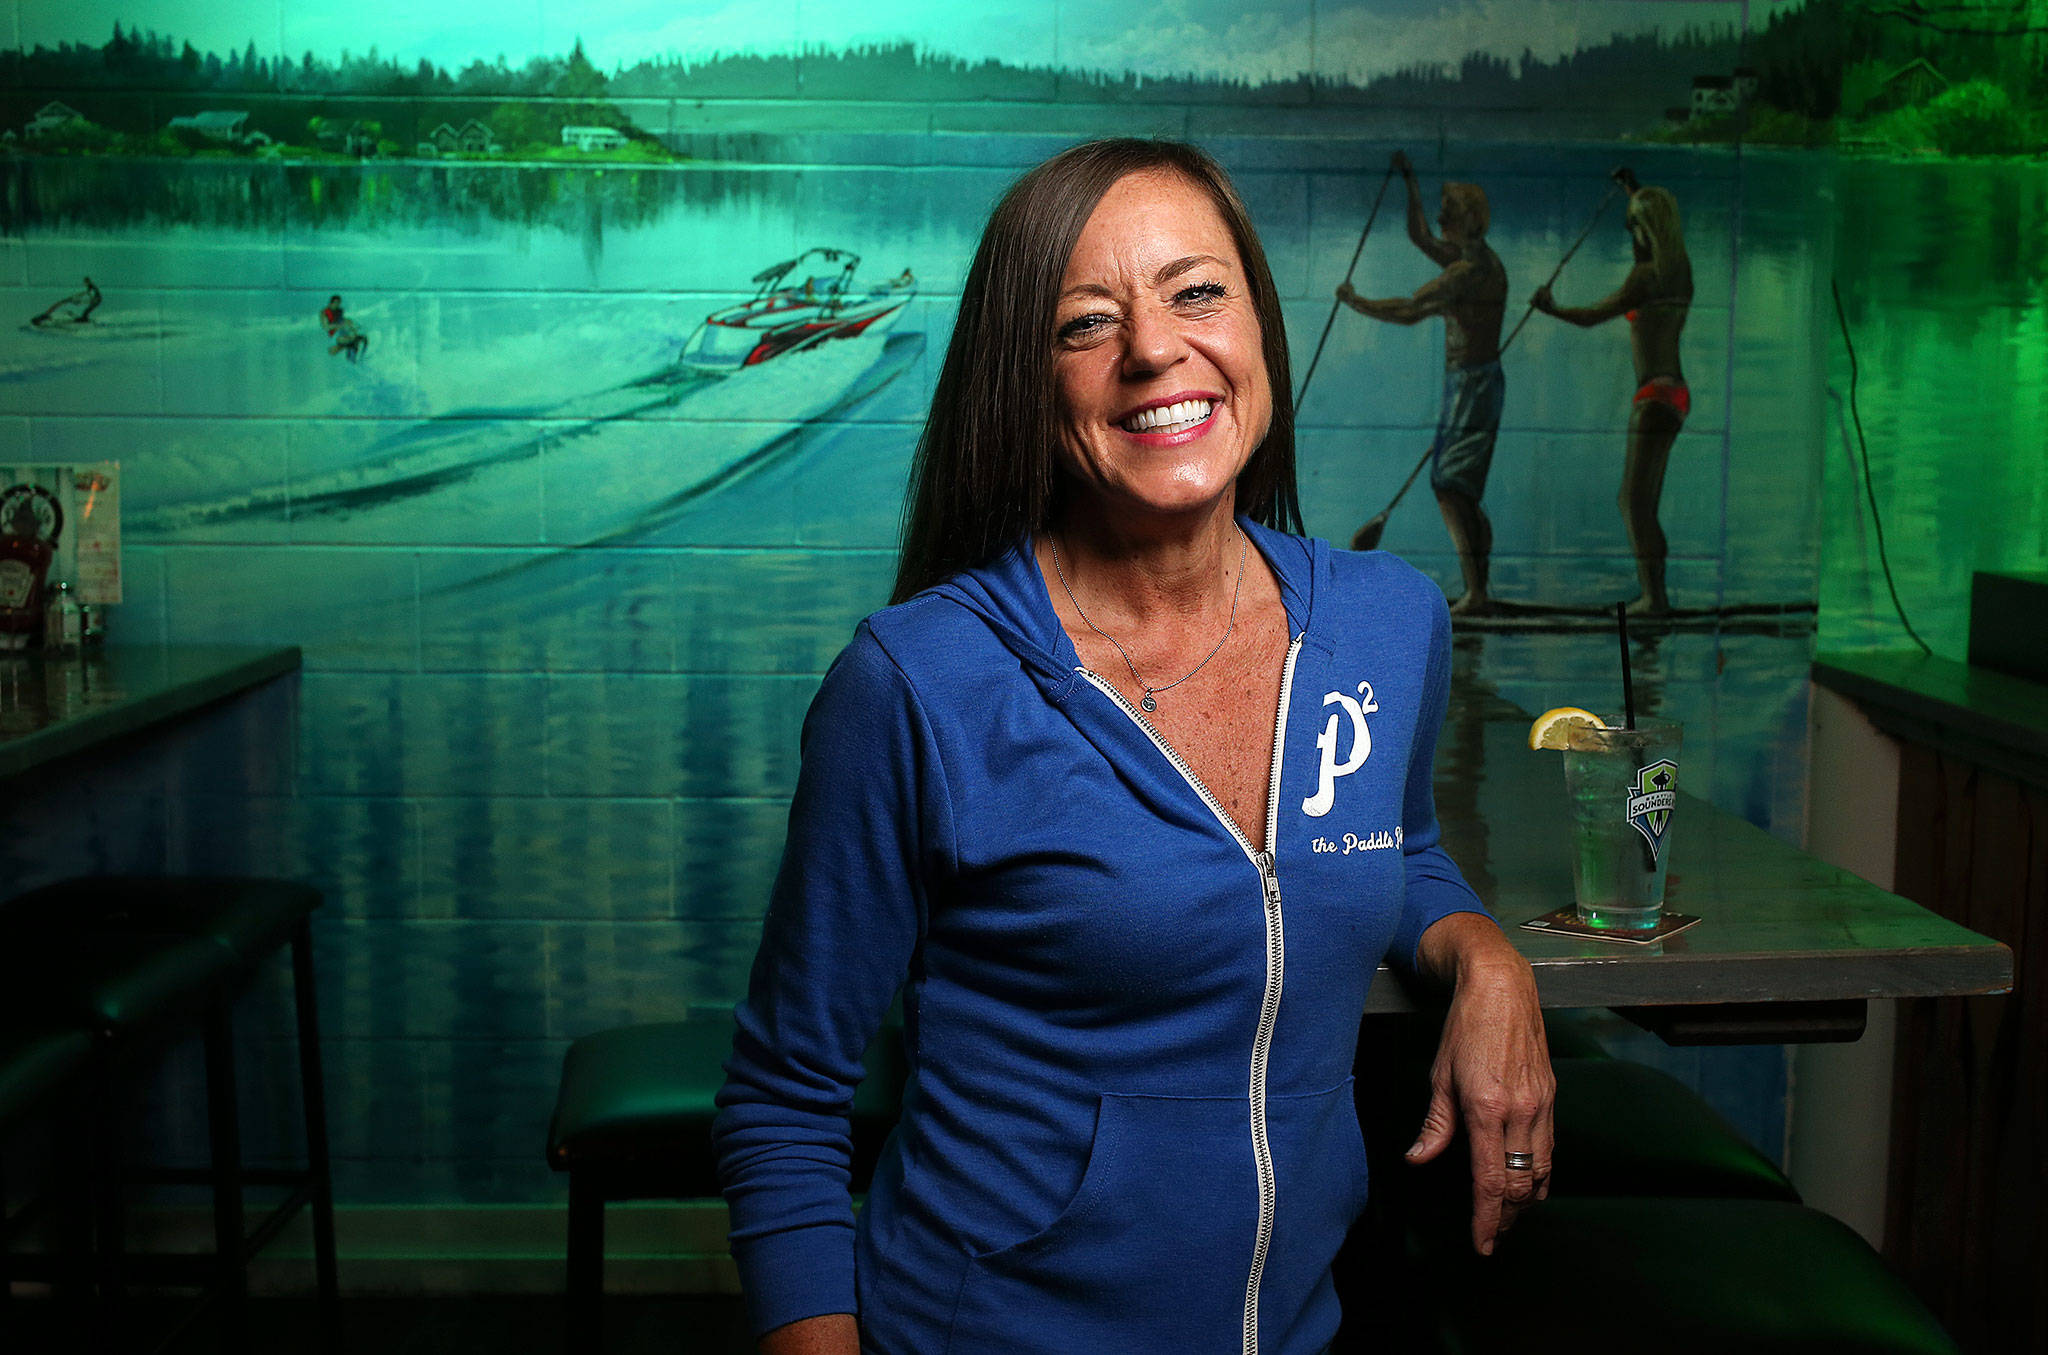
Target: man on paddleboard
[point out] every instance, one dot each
(1470, 294)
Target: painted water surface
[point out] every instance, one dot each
(1944, 275)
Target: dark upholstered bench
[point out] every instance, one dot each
(139, 963)
(1628, 1129)
(1677, 1277)
(632, 1121)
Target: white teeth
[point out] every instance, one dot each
(1169, 418)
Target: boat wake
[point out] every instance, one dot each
(38, 350)
(711, 431)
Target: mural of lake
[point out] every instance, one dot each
(564, 597)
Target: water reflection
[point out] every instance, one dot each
(1943, 269)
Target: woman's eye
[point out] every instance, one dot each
(1202, 294)
(1084, 326)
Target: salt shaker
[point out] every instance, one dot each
(63, 625)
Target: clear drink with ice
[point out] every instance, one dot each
(1623, 785)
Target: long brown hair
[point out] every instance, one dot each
(987, 467)
(1655, 210)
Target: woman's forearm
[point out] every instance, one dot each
(830, 1334)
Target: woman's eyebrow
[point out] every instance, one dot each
(1165, 275)
(1180, 266)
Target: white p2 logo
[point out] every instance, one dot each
(1318, 804)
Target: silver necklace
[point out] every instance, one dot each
(1151, 692)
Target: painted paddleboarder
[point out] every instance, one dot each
(1471, 295)
(1655, 296)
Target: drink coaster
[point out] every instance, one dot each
(1565, 922)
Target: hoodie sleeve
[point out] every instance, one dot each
(868, 828)
(1434, 887)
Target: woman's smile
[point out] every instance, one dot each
(1171, 421)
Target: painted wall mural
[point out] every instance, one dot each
(552, 380)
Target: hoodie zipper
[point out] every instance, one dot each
(1276, 954)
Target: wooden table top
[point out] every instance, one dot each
(1777, 925)
(53, 707)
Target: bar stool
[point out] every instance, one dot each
(43, 1065)
(632, 1121)
(142, 961)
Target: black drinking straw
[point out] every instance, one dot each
(1628, 681)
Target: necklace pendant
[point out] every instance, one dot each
(1148, 703)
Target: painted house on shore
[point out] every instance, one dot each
(1912, 85)
(49, 118)
(229, 126)
(471, 138)
(585, 138)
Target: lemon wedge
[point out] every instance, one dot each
(1554, 727)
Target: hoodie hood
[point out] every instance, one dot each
(1009, 595)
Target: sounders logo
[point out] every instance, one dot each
(1355, 709)
(1650, 800)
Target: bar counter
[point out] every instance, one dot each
(1986, 717)
(1777, 926)
(53, 707)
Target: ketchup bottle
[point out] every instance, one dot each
(25, 552)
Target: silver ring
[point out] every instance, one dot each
(1521, 1162)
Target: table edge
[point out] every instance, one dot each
(257, 666)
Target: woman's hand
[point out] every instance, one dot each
(1493, 1068)
(1543, 301)
(832, 1334)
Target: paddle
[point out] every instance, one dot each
(1367, 537)
(1371, 217)
(1624, 180)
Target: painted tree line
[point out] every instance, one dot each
(1955, 76)
(1633, 71)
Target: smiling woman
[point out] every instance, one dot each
(1158, 370)
(1052, 798)
(989, 464)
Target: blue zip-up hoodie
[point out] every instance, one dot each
(1129, 1122)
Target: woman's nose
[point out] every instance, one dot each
(1154, 343)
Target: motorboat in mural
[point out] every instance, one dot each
(784, 317)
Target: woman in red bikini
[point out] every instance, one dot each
(1655, 297)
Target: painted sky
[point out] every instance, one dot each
(1355, 38)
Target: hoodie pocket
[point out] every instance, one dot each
(1153, 1251)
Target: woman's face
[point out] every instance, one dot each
(1162, 382)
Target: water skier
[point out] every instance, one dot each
(1655, 296)
(86, 300)
(1470, 294)
(347, 338)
